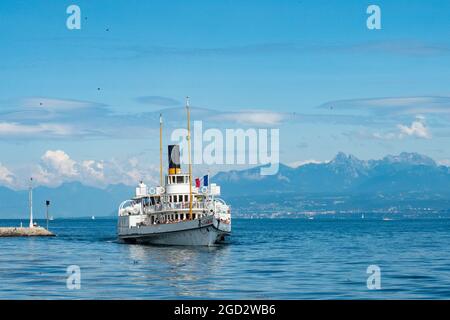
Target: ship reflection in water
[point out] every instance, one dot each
(185, 271)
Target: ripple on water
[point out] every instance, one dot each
(265, 259)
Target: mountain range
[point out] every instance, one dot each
(407, 180)
(345, 174)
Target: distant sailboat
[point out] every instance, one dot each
(93, 217)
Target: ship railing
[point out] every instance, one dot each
(129, 207)
(219, 207)
(222, 211)
(174, 206)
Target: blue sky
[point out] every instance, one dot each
(84, 104)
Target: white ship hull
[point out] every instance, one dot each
(204, 232)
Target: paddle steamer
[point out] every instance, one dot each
(176, 212)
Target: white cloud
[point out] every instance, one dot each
(55, 103)
(45, 177)
(385, 135)
(6, 176)
(43, 118)
(57, 167)
(417, 129)
(402, 101)
(158, 101)
(252, 117)
(394, 105)
(17, 129)
(60, 163)
(131, 171)
(93, 170)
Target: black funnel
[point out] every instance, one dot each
(174, 156)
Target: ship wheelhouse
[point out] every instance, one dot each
(172, 202)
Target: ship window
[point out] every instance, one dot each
(179, 179)
(180, 198)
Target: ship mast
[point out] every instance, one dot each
(189, 156)
(160, 151)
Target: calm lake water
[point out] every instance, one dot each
(265, 259)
